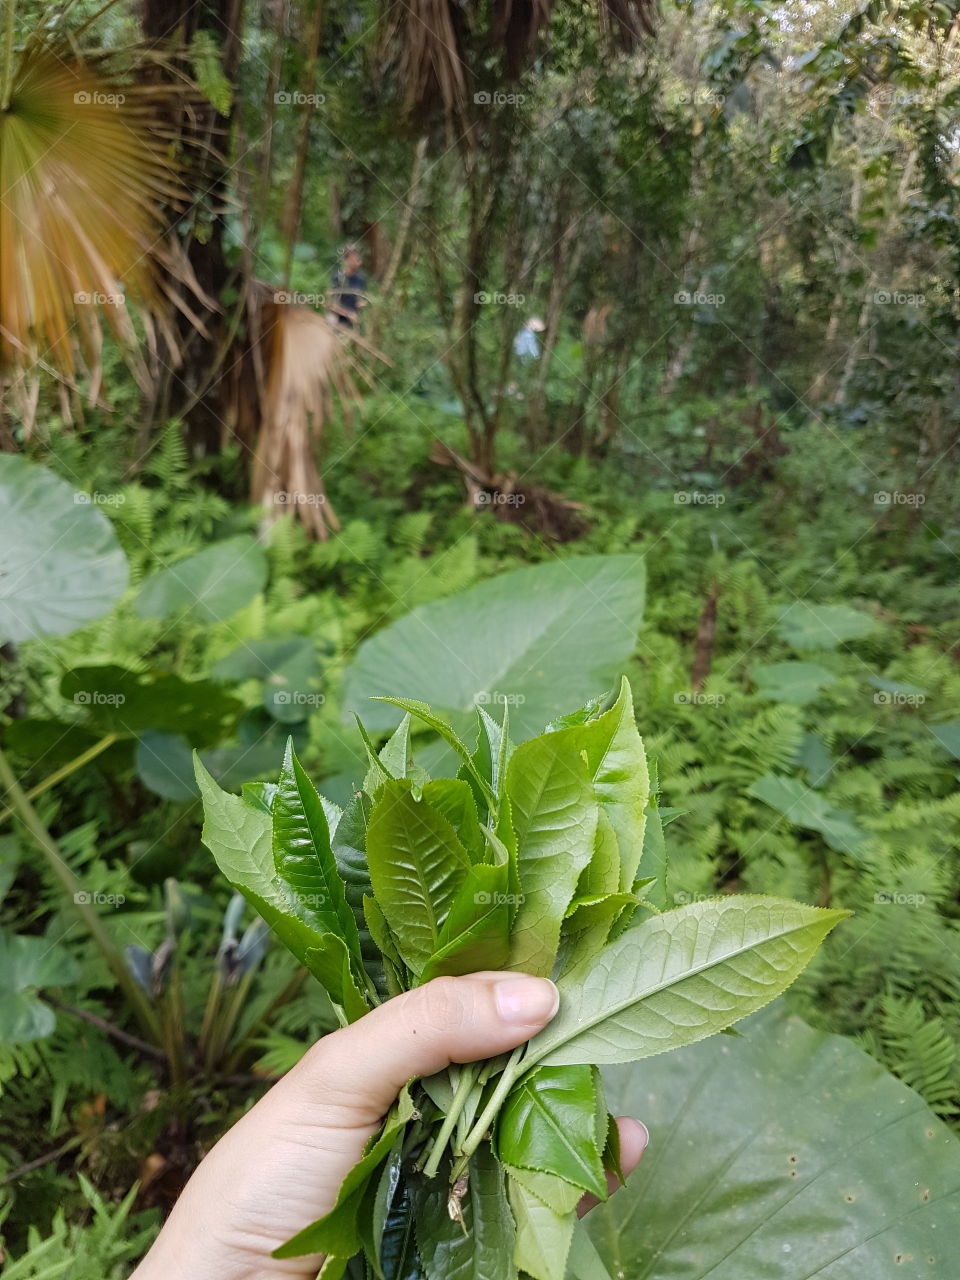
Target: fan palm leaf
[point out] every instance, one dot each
(84, 180)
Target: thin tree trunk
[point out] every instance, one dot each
(400, 244)
(293, 210)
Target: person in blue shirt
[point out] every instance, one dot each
(349, 283)
(526, 345)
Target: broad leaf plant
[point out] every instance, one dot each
(546, 858)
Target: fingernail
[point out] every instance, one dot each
(527, 1001)
(646, 1133)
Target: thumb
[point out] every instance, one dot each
(363, 1067)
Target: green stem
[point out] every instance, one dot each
(265, 1018)
(468, 1076)
(210, 1009)
(65, 771)
(511, 1071)
(227, 1020)
(21, 806)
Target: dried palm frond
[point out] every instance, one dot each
(624, 22)
(83, 179)
(293, 369)
(425, 39)
(438, 49)
(516, 28)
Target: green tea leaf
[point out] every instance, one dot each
(611, 1150)
(543, 1237)
(379, 1206)
(492, 754)
(440, 726)
(548, 1124)
(560, 1196)
(240, 837)
(399, 1259)
(454, 799)
(654, 861)
(681, 976)
(618, 764)
(337, 1231)
(480, 1249)
(391, 963)
(330, 962)
(476, 933)
(554, 813)
(417, 866)
(304, 859)
(349, 843)
(598, 902)
(395, 752)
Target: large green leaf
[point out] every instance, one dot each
(539, 639)
(117, 699)
(480, 1248)
(554, 812)
(948, 735)
(804, 807)
(796, 682)
(165, 763)
(61, 565)
(785, 1154)
(209, 586)
(823, 626)
(548, 1125)
(288, 669)
(416, 865)
(679, 977)
(27, 965)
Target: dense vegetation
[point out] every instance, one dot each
(739, 225)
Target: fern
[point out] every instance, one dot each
(102, 1250)
(919, 1049)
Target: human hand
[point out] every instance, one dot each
(281, 1166)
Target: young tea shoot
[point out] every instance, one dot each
(545, 858)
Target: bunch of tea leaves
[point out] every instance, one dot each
(545, 858)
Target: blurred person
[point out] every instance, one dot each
(348, 284)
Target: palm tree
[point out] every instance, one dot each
(85, 178)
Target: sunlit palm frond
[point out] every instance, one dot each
(83, 182)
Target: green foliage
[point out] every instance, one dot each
(60, 565)
(556, 834)
(207, 67)
(784, 460)
(102, 1250)
(887, 1191)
